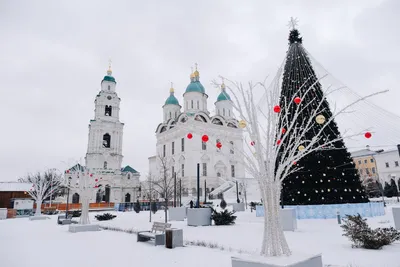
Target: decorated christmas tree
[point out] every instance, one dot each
(327, 175)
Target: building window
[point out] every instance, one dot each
(218, 112)
(232, 149)
(367, 170)
(233, 170)
(373, 170)
(108, 110)
(396, 164)
(203, 145)
(164, 148)
(173, 148)
(198, 104)
(204, 169)
(105, 165)
(359, 162)
(183, 144)
(387, 164)
(223, 112)
(109, 87)
(183, 170)
(218, 174)
(365, 161)
(106, 140)
(372, 160)
(175, 114)
(170, 115)
(191, 103)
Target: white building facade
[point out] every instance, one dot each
(180, 141)
(388, 165)
(104, 151)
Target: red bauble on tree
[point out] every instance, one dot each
(219, 145)
(96, 180)
(297, 100)
(283, 130)
(67, 171)
(91, 175)
(278, 142)
(252, 143)
(294, 162)
(367, 135)
(277, 109)
(204, 138)
(189, 136)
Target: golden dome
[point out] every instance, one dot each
(192, 75)
(171, 90)
(196, 73)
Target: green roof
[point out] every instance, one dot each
(223, 96)
(77, 167)
(195, 86)
(171, 100)
(129, 169)
(109, 78)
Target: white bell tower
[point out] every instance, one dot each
(104, 150)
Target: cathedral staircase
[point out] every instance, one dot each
(222, 188)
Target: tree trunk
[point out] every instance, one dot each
(85, 211)
(274, 242)
(165, 210)
(38, 211)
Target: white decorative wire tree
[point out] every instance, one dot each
(82, 181)
(263, 155)
(43, 185)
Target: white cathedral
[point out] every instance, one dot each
(104, 151)
(180, 143)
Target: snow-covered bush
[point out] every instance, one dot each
(358, 231)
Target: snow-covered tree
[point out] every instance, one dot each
(81, 180)
(44, 184)
(164, 182)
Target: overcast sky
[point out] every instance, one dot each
(54, 54)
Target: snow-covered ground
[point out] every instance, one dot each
(45, 244)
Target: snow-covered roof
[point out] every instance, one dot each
(14, 187)
(362, 153)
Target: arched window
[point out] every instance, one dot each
(229, 113)
(108, 111)
(223, 112)
(129, 176)
(109, 87)
(198, 104)
(127, 198)
(106, 140)
(75, 198)
(170, 115)
(218, 175)
(191, 103)
(105, 165)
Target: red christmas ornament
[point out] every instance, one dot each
(67, 171)
(96, 180)
(190, 136)
(297, 100)
(91, 175)
(252, 143)
(278, 142)
(219, 145)
(294, 162)
(96, 186)
(283, 130)
(204, 138)
(277, 109)
(367, 135)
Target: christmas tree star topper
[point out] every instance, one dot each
(292, 23)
